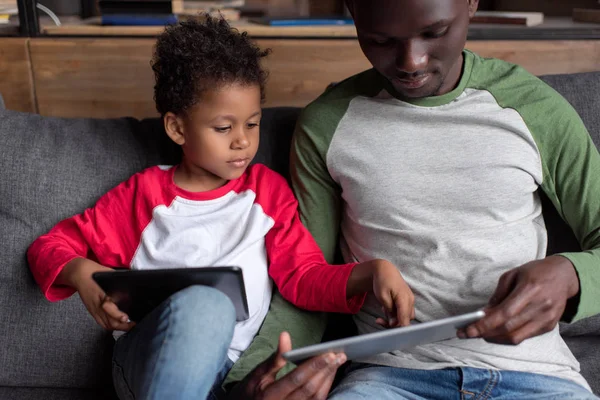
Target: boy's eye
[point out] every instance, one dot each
(437, 33)
(222, 129)
(252, 125)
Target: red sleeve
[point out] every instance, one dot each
(296, 262)
(107, 233)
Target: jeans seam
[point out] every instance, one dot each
(162, 346)
(122, 373)
(492, 382)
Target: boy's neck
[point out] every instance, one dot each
(195, 179)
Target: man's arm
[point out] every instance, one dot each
(531, 299)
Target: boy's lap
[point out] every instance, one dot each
(365, 381)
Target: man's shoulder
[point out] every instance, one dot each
(514, 87)
(324, 113)
(338, 95)
(509, 83)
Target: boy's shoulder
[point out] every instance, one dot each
(261, 175)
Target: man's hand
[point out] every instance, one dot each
(529, 301)
(78, 274)
(310, 380)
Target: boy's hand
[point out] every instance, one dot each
(388, 286)
(78, 274)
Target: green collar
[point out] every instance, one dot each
(436, 101)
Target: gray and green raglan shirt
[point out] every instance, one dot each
(446, 189)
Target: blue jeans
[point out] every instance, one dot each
(365, 381)
(179, 350)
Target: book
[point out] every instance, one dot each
(511, 18)
(303, 21)
(138, 20)
(586, 15)
(155, 7)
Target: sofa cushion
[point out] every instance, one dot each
(52, 168)
(12, 393)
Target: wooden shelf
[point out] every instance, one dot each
(554, 28)
(92, 27)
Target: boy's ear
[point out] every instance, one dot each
(174, 128)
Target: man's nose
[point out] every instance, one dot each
(412, 56)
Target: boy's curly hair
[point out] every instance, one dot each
(201, 54)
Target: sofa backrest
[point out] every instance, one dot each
(52, 168)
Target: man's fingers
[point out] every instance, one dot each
(267, 372)
(514, 323)
(308, 379)
(496, 316)
(506, 284)
(325, 387)
(317, 387)
(530, 329)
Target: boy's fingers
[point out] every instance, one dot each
(403, 310)
(113, 311)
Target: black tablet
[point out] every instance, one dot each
(137, 292)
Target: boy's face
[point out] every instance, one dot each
(416, 44)
(220, 134)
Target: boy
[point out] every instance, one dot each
(212, 209)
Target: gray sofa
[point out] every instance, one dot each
(52, 168)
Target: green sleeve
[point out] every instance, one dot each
(572, 182)
(319, 196)
(304, 327)
(570, 163)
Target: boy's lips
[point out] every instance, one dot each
(239, 162)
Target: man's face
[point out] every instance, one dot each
(416, 44)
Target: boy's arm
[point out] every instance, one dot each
(319, 206)
(296, 263)
(101, 233)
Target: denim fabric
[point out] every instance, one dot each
(365, 381)
(179, 350)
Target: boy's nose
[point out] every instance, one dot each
(240, 142)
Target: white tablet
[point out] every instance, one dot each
(388, 340)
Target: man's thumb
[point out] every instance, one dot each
(276, 362)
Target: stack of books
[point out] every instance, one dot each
(136, 12)
(7, 8)
(230, 9)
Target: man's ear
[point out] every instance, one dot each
(473, 5)
(174, 128)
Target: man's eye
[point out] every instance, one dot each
(381, 41)
(437, 33)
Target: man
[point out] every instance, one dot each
(433, 160)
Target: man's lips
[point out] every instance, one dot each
(412, 83)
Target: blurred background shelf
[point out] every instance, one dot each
(553, 28)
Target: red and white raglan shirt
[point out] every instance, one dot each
(252, 222)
